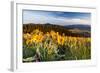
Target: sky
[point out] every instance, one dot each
(56, 17)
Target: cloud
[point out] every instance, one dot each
(77, 21)
(59, 18)
(69, 21)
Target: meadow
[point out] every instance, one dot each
(51, 44)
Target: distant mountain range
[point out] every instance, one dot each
(79, 26)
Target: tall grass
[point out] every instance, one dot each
(51, 46)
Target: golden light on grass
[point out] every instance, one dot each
(48, 45)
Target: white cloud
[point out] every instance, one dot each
(47, 18)
(69, 21)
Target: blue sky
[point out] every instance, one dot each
(56, 17)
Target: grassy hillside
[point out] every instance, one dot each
(47, 42)
(69, 31)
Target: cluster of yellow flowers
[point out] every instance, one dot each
(33, 38)
(38, 37)
(51, 44)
